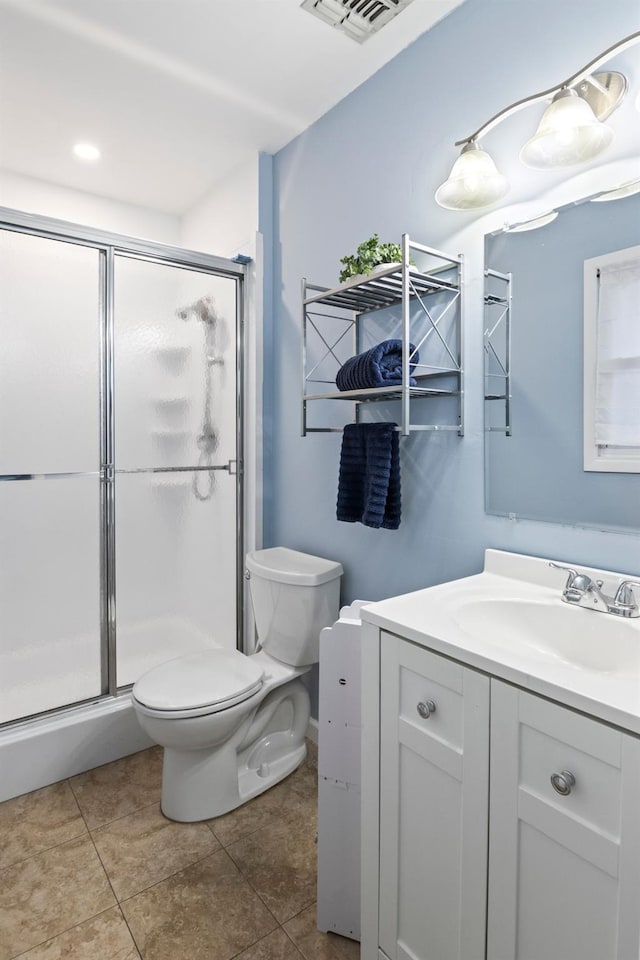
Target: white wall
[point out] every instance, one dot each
(225, 221)
(76, 206)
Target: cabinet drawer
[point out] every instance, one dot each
(554, 740)
(426, 677)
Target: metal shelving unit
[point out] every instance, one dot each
(497, 347)
(429, 299)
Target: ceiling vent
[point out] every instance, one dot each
(359, 19)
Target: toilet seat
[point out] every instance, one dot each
(198, 684)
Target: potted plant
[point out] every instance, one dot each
(370, 254)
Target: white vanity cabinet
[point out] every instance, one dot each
(479, 856)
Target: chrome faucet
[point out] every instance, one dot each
(582, 591)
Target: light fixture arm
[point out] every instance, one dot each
(582, 74)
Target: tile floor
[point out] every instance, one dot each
(91, 870)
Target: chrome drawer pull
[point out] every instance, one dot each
(563, 783)
(426, 708)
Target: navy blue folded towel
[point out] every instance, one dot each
(381, 366)
(369, 481)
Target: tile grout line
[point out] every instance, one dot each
(108, 823)
(43, 943)
(260, 940)
(115, 897)
(115, 819)
(245, 836)
(120, 910)
(157, 883)
(291, 940)
(248, 882)
(53, 845)
(261, 898)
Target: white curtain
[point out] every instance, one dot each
(617, 410)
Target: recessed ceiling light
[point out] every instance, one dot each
(86, 151)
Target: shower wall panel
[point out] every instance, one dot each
(176, 569)
(175, 409)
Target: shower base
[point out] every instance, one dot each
(45, 749)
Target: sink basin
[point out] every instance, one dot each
(552, 629)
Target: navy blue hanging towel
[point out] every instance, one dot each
(381, 366)
(369, 481)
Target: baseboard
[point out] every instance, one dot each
(312, 730)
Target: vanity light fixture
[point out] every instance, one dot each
(86, 151)
(572, 130)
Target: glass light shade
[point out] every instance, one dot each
(474, 181)
(568, 133)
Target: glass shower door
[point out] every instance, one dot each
(176, 427)
(50, 584)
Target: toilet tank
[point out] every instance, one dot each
(294, 595)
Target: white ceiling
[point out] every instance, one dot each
(176, 93)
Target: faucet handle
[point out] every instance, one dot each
(624, 593)
(577, 585)
(572, 573)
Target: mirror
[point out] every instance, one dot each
(534, 437)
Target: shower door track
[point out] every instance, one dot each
(109, 245)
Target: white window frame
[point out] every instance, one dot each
(598, 457)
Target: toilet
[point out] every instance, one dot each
(233, 725)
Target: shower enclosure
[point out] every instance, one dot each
(120, 460)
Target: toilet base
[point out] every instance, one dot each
(187, 776)
(203, 784)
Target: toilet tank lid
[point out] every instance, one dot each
(291, 566)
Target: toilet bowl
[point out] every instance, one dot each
(233, 725)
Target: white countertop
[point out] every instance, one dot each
(427, 617)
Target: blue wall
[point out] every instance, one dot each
(372, 164)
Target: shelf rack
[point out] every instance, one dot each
(497, 347)
(430, 316)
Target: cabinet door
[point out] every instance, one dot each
(433, 806)
(564, 867)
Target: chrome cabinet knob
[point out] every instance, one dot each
(425, 708)
(563, 783)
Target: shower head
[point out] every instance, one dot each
(203, 309)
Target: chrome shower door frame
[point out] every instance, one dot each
(109, 246)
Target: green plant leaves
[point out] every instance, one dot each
(367, 256)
